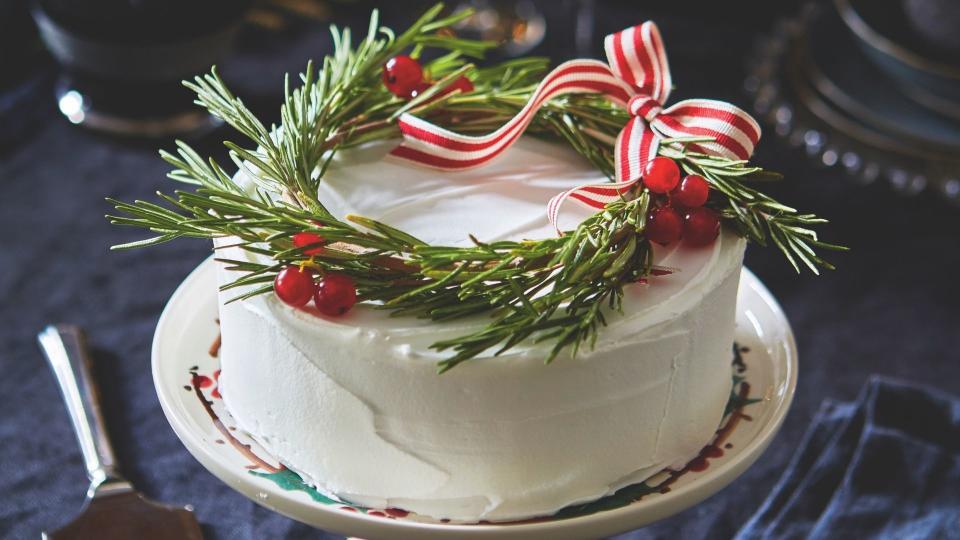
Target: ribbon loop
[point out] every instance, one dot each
(636, 55)
(636, 77)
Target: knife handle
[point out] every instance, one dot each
(65, 347)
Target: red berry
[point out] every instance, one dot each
(462, 84)
(664, 225)
(304, 239)
(421, 88)
(335, 295)
(401, 75)
(692, 191)
(661, 175)
(294, 285)
(700, 226)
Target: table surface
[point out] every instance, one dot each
(891, 308)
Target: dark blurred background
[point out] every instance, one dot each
(890, 308)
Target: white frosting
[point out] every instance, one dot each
(355, 405)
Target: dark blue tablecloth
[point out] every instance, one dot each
(886, 465)
(890, 309)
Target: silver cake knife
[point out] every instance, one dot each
(113, 509)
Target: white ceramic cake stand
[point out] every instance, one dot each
(184, 372)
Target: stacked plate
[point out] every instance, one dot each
(841, 82)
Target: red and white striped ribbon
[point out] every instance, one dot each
(637, 77)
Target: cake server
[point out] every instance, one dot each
(113, 509)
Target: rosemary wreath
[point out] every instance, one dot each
(554, 289)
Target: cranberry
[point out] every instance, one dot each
(335, 295)
(422, 87)
(661, 175)
(462, 84)
(294, 285)
(402, 75)
(692, 191)
(701, 226)
(664, 225)
(304, 239)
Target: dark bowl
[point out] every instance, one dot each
(116, 50)
(123, 60)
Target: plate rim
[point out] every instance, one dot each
(601, 523)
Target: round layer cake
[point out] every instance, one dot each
(355, 405)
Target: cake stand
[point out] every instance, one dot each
(185, 370)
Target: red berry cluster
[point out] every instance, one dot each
(333, 295)
(680, 212)
(403, 77)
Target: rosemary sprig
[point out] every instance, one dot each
(559, 290)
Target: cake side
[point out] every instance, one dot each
(497, 440)
(355, 405)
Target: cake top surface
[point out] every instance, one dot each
(505, 200)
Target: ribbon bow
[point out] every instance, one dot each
(637, 78)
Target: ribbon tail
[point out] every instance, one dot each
(593, 196)
(427, 144)
(635, 145)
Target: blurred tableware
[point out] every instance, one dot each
(842, 73)
(518, 26)
(823, 94)
(585, 22)
(884, 32)
(113, 510)
(937, 22)
(123, 60)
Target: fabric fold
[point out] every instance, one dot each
(886, 465)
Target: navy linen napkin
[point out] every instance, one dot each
(884, 466)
